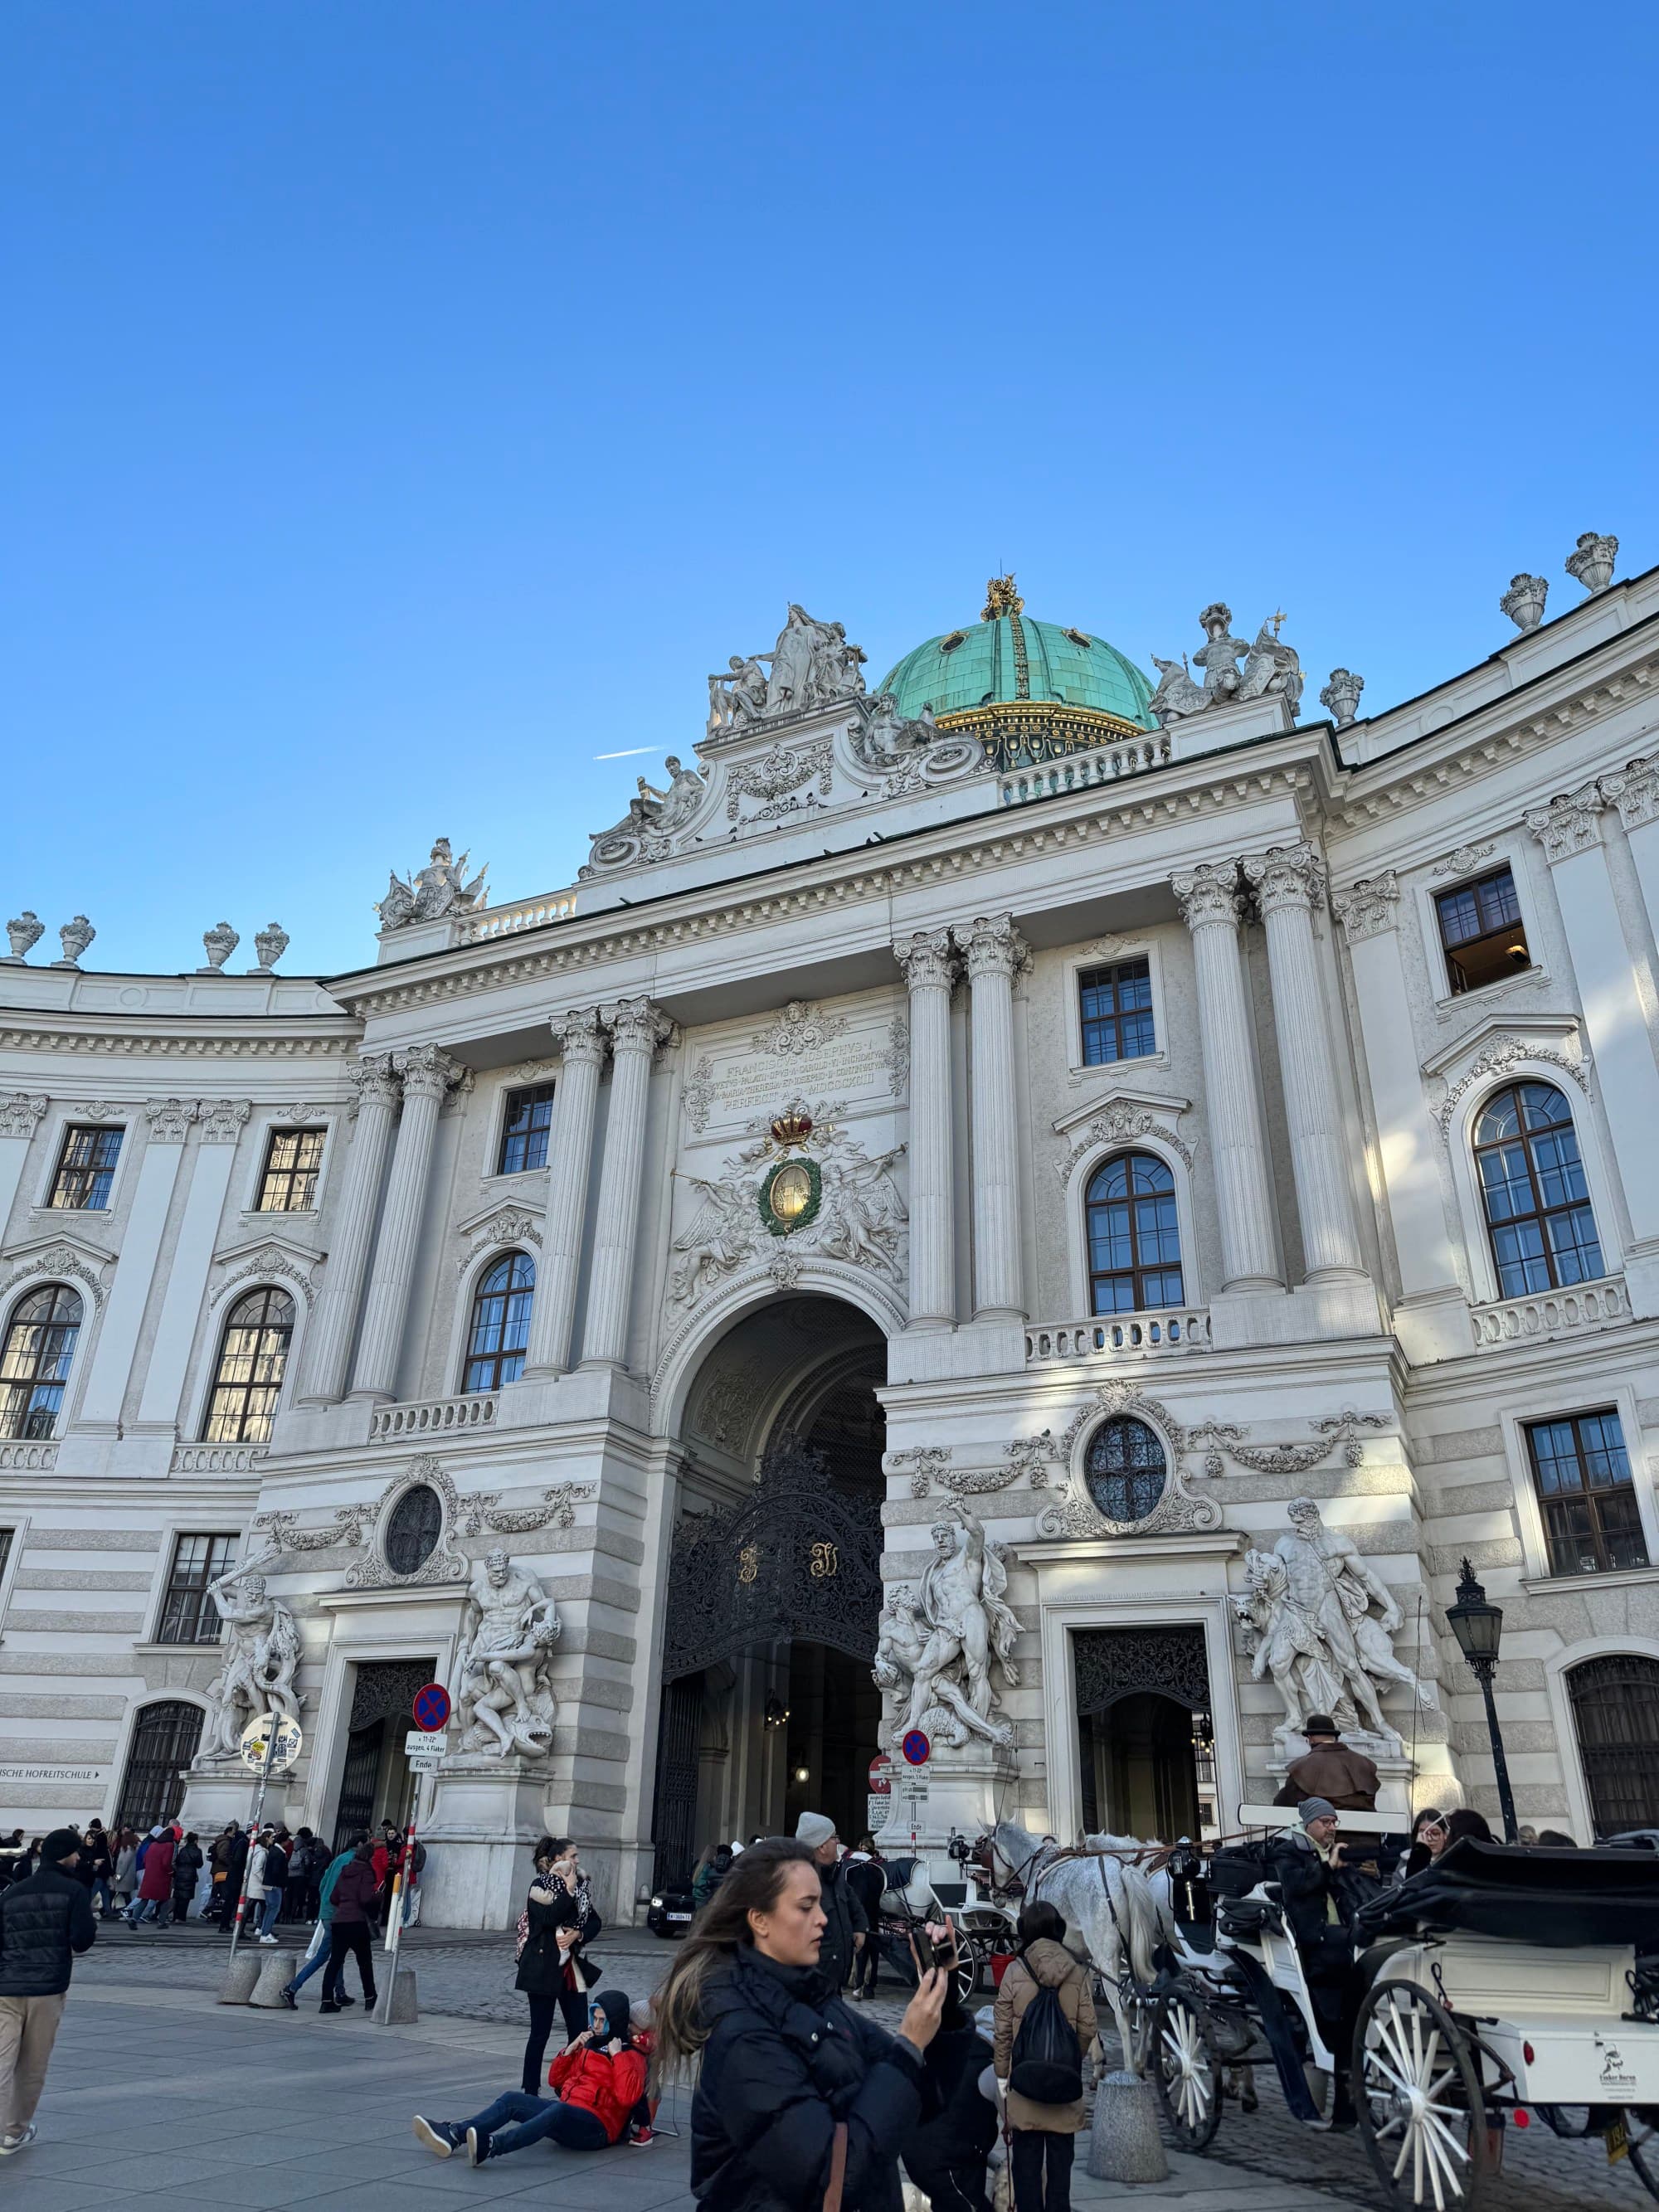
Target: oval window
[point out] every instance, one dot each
(1125, 1469)
(412, 1533)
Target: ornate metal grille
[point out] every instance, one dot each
(385, 1689)
(356, 1809)
(1115, 1662)
(412, 1533)
(674, 1822)
(1616, 1706)
(1125, 1471)
(163, 1744)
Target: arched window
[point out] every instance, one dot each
(1615, 1709)
(253, 1354)
(1532, 1187)
(1125, 1469)
(36, 1364)
(164, 1742)
(1134, 1238)
(496, 1344)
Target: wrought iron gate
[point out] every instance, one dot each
(164, 1742)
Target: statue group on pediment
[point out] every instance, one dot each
(430, 893)
(1270, 666)
(811, 664)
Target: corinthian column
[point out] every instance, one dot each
(638, 1031)
(582, 1041)
(1209, 907)
(1287, 879)
(929, 969)
(426, 1075)
(994, 948)
(329, 1342)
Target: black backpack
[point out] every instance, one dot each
(1048, 2058)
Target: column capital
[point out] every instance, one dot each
(21, 1112)
(224, 1119)
(991, 945)
(1369, 905)
(637, 1026)
(373, 1080)
(1634, 790)
(1571, 823)
(579, 1035)
(428, 1072)
(927, 958)
(1285, 876)
(1208, 893)
(170, 1119)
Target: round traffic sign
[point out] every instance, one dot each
(258, 1734)
(915, 1748)
(431, 1707)
(881, 1776)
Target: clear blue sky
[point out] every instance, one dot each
(404, 403)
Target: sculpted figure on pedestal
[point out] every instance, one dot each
(811, 664)
(505, 1697)
(1269, 665)
(261, 1651)
(439, 888)
(947, 1641)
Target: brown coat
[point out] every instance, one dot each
(1347, 1777)
(1049, 1965)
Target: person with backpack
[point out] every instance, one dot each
(186, 1866)
(317, 1955)
(1045, 2025)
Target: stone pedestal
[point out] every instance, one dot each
(955, 1792)
(402, 2006)
(498, 1808)
(1124, 2142)
(242, 1975)
(276, 1970)
(221, 1790)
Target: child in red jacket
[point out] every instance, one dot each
(598, 2081)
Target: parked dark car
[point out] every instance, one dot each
(670, 1910)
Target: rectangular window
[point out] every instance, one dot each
(1117, 1004)
(1480, 929)
(86, 1167)
(188, 1613)
(289, 1184)
(1586, 1495)
(523, 1132)
(5, 1551)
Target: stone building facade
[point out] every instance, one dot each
(957, 1167)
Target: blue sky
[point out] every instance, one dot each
(405, 402)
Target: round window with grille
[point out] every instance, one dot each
(1125, 1469)
(412, 1533)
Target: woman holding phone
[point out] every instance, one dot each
(558, 1918)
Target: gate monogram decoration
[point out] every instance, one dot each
(799, 1560)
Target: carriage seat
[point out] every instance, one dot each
(1247, 1918)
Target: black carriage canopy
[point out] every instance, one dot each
(1554, 1898)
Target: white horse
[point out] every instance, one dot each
(1107, 1900)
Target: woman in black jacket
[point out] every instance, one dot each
(795, 2088)
(559, 1918)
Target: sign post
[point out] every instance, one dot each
(879, 1802)
(917, 1752)
(270, 1745)
(425, 1751)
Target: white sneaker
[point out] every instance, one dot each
(10, 2144)
(267, 1939)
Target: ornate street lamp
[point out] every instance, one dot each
(1478, 1624)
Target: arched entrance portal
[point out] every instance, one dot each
(1146, 1743)
(774, 1583)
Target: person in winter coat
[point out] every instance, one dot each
(186, 1866)
(845, 1928)
(126, 1878)
(798, 2090)
(557, 1914)
(1330, 1768)
(317, 1956)
(597, 2081)
(348, 1937)
(155, 1878)
(44, 1920)
(866, 1878)
(274, 1873)
(1044, 2136)
(96, 1872)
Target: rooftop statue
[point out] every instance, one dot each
(811, 664)
(440, 888)
(1269, 665)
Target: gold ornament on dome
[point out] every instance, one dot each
(1001, 599)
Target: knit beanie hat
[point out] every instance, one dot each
(58, 1845)
(1314, 1808)
(814, 1829)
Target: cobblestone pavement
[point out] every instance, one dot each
(470, 1976)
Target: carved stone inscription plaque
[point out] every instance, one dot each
(804, 1048)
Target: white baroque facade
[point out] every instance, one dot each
(939, 1189)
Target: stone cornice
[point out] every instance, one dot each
(180, 1044)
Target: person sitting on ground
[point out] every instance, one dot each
(598, 2081)
(1330, 1769)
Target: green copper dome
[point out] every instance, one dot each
(1007, 656)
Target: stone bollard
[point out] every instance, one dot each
(405, 2004)
(1124, 2142)
(240, 1975)
(276, 1968)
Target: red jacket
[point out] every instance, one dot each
(611, 2088)
(156, 1880)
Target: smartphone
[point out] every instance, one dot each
(928, 1956)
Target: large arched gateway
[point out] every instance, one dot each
(774, 1582)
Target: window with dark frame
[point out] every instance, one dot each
(1582, 1474)
(1134, 1235)
(188, 1613)
(1537, 1202)
(1481, 932)
(86, 1167)
(528, 1118)
(289, 1184)
(252, 1359)
(35, 1361)
(1125, 1469)
(5, 1551)
(499, 1335)
(1116, 1006)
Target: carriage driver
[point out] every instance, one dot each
(1303, 1860)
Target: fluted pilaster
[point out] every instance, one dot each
(993, 952)
(329, 1344)
(930, 969)
(1209, 906)
(638, 1031)
(582, 1041)
(426, 1075)
(1288, 881)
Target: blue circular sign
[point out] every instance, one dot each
(915, 1748)
(431, 1707)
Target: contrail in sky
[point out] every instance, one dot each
(627, 755)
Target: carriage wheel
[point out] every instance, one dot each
(1422, 2111)
(1187, 2069)
(1644, 2151)
(969, 1966)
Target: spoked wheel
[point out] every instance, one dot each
(965, 1980)
(1416, 2086)
(1187, 2069)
